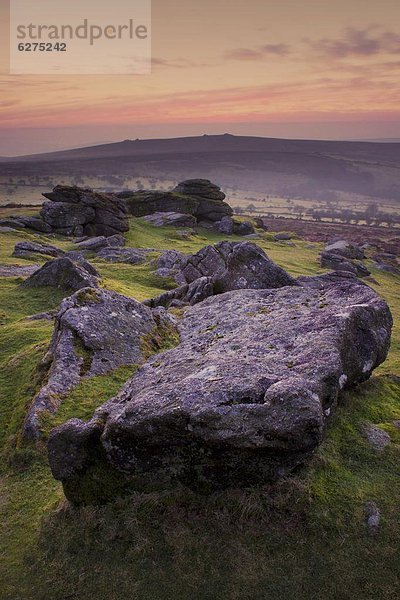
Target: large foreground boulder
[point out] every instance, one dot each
(242, 400)
(77, 211)
(65, 274)
(197, 197)
(95, 332)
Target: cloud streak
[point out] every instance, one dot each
(178, 63)
(328, 97)
(358, 43)
(258, 53)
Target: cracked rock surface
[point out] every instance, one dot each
(243, 399)
(95, 332)
(221, 268)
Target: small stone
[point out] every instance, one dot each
(377, 438)
(373, 516)
(132, 256)
(282, 237)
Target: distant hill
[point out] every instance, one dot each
(220, 143)
(293, 168)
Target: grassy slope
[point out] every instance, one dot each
(305, 538)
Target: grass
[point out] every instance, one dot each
(304, 538)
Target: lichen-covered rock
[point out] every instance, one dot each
(226, 266)
(148, 202)
(282, 237)
(173, 219)
(8, 229)
(197, 197)
(132, 256)
(17, 270)
(387, 268)
(243, 228)
(248, 267)
(187, 293)
(225, 226)
(98, 243)
(339, 263)
(11, 223)
(20, 222)
(200, 188)
(65, 274)
(376, 437)
(30, 249)
(170, 263)
(345, 249)
(229, 226)
(77, 211)
(242, 400)
(95, 332)
(386, 261)
(62, 215)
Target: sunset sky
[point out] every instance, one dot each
(288, 68)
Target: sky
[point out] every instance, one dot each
(287, 68)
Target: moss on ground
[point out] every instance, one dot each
(304, 538)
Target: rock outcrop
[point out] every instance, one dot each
(221, 268)
(77, 211)
(197, 197)
(65, 274)
(173, 219)
(242, 400)
(95, 332)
